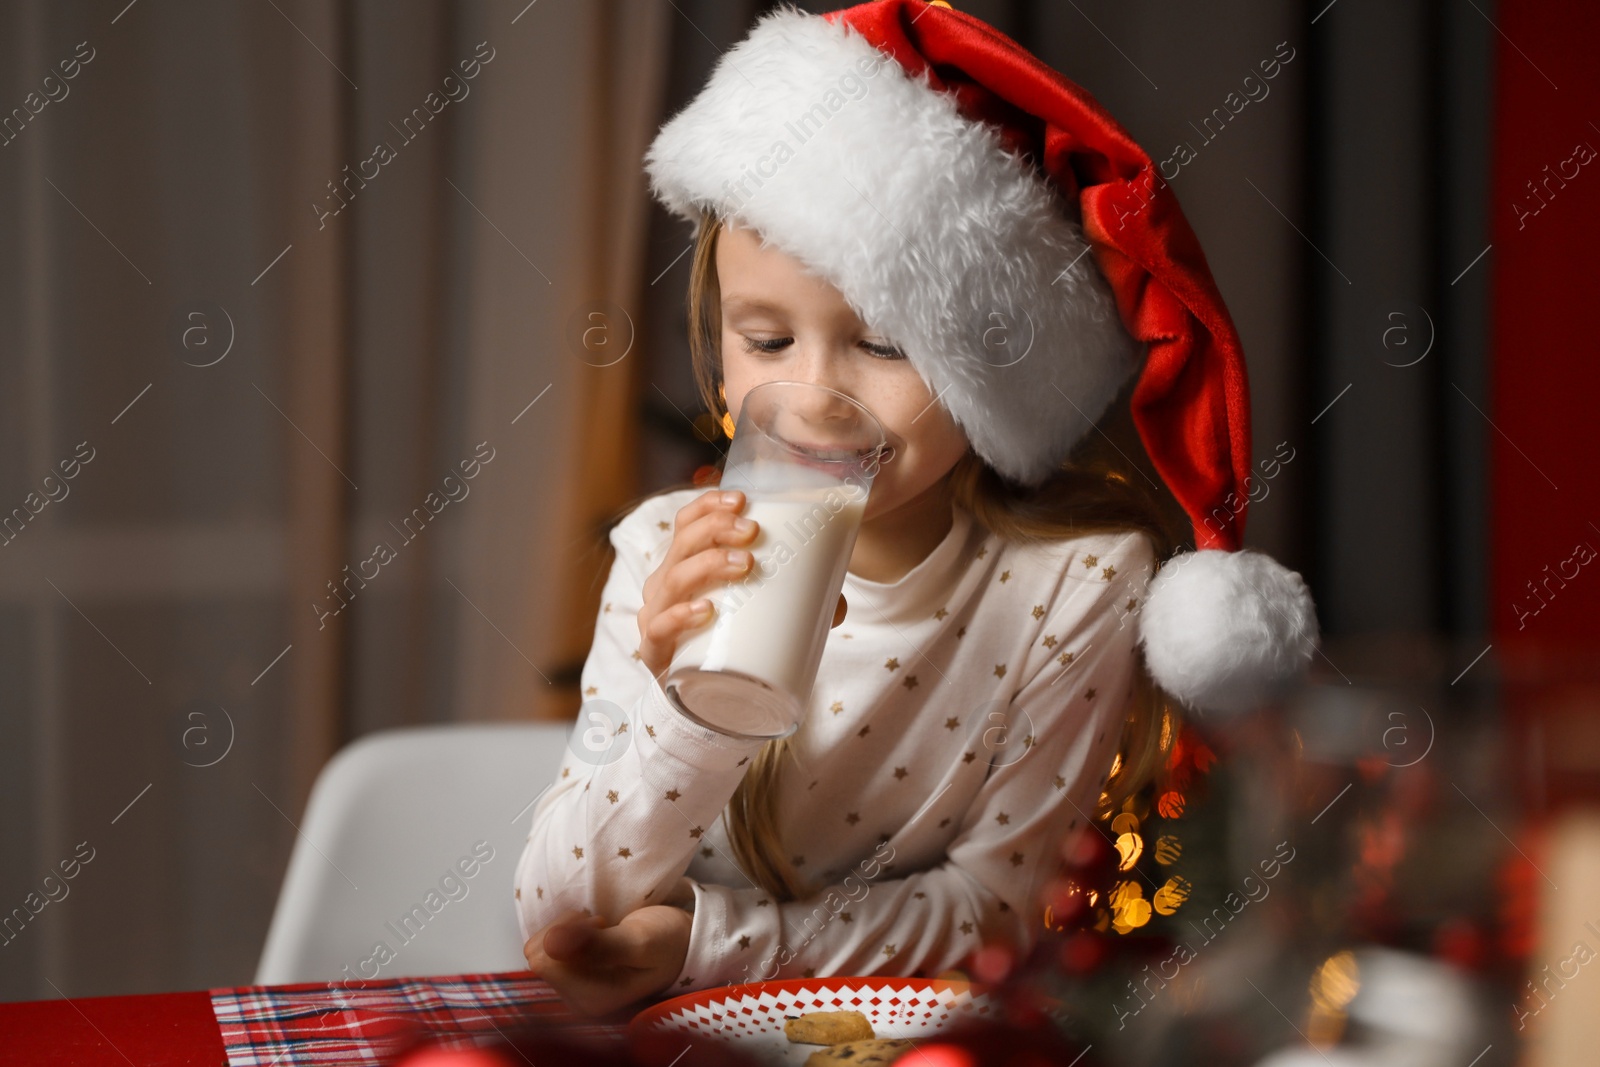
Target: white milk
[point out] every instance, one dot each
(771, 625)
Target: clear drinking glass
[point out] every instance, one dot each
(804, 455)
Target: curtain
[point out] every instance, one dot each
(243, 345)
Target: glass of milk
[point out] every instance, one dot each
(804, 456)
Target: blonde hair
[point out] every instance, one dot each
(1089, 493)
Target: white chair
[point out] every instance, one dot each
(409, 841)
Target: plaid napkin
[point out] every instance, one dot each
(367, 1022)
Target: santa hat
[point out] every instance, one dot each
(992, 219)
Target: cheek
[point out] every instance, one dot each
(741, 372)
(916, 417)
(735, 384)
(930, 443)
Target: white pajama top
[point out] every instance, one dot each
(962, 724)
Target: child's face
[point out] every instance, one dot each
(808, 333)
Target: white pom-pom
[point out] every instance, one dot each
(1226, 631)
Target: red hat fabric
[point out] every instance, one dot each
(1192, 402)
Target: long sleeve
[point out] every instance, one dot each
(639, 782)
(1047, 765)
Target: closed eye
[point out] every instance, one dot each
(772, 345)
(883, 351)
(775, 344)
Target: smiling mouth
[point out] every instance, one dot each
(837, 460)
(831, 452)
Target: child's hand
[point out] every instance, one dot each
(708, 536)
(597, 969)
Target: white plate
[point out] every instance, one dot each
(751, 1016)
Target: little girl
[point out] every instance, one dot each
(898, 202)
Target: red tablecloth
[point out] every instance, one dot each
(165, 1029)
(283, 1025)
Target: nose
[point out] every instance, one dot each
(832, 416)
(821, 406)
(829, 418)
(819, 418)
(816, 365)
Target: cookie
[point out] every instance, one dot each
(827, 1027)
(872, 1053)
